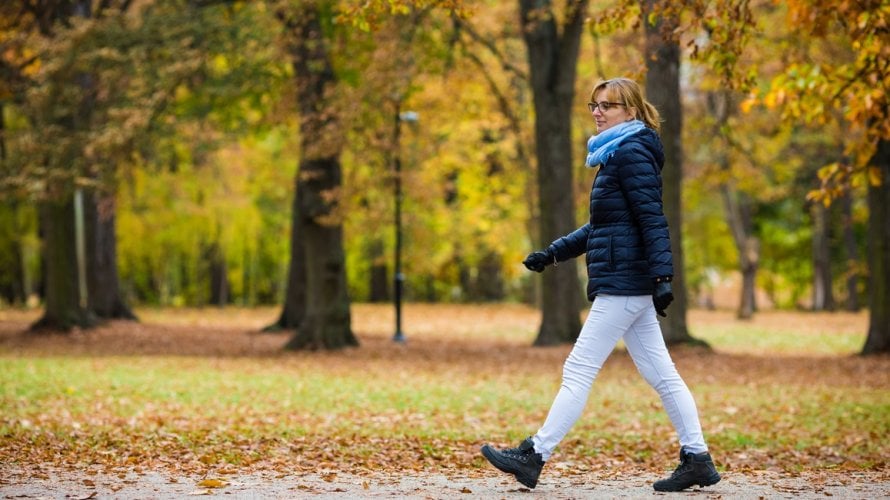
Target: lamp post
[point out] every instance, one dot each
(399, 278)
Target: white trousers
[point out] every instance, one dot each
(612, 318)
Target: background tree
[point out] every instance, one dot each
(878, 340)
(739, 206)
(553, 43)
(815, 91)
(318, 220)
(113, 67)
(662, 55)
(62, 115)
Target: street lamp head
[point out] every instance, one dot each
(409, 116)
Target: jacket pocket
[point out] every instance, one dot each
(609, 252)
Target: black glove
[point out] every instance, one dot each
(662, 296)
(537, 261)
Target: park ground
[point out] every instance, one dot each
(197, 402)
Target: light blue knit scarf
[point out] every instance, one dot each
(600, 147)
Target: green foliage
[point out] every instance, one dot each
(191, 121)
(171, 217)
(841, 79)
(787, 270)
(771, 162)
(19, 248)
(106, 84)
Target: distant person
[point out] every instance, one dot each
(629, 269)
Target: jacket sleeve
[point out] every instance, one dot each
(642, 186)
(570, 245)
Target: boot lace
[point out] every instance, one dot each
(522, 452)
(685, 466)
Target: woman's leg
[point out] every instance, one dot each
(607, 321)
(647, 348)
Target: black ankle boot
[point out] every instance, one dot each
(522, 461)
(693, 469)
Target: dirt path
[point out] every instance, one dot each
(57, 484)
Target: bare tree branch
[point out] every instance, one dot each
(490, 45)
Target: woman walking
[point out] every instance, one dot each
(629, 269)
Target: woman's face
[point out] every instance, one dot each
(616, 113)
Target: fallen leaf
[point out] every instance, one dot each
(212, 483)
(200, 492)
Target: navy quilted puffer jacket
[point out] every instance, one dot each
(626, 240)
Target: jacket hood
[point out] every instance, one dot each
(649, 140)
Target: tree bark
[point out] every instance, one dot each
(823, 297)
(326, 324)
(218, 272)
(294, 310)
(553, 58)
(489, 282)
(851, 252)
(749, 259)
(318, 224)
(878, 339)
(378, 288)
(663, 90)
(103, 281)
(65, 307)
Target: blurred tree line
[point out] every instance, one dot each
(224, 152)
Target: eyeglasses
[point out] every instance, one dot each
(603, 106)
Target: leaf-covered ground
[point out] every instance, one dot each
(200, 395)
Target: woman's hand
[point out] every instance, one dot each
(662, 296)
(537, 261)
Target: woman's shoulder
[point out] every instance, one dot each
(644, 145)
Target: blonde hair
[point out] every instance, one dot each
(629, 93)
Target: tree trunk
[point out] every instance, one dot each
(749, 260)
(317, 220)
(12, 286)
(65, 307)
(13, 276)
(464, 278)
(553, 58)
(737, 205)
(15, 290)
(823, 298)
(663, 90)
(67, 300)
(218, 271)
(851, 252)
(327, 321)
(878, 340)
(378, 290)
(295, 295)
(489, 286)
(103, 281)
